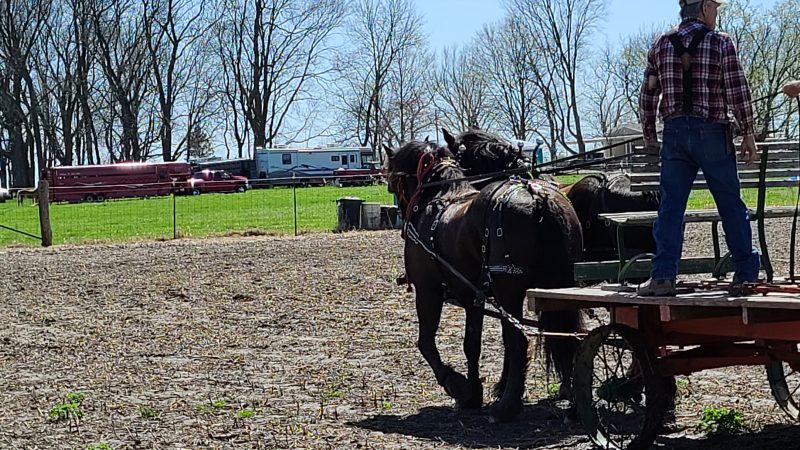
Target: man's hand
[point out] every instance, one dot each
(652, 146)
(792, 89)
(748, 149)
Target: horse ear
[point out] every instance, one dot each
(388, 150)
(451, 141)
(427, 139)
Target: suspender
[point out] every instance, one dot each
(686, 54)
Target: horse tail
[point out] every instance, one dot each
(560, 350)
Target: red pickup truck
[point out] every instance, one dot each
(371, 173)
(215, 181)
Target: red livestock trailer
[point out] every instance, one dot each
(123, 180)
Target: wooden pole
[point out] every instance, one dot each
(43, 192)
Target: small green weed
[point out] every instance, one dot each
(386, 404)
(76, 397)
(69, 410)
(721, 422)
(245, 414)
(333, 393)
(214, 407)
(99, 446)
(683, 388)
(147, 412)
(553, 388)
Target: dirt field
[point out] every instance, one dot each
(273, 343)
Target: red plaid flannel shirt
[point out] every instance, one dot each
(719, 82)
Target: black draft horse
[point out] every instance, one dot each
(510, 236)
(480, 152)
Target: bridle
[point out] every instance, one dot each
(428, 163)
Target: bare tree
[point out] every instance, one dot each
(408, 109)
(20, 27)
(273, 51)
(560, 30)
(502, 53)
(171, 37)
(380, 32)
(120, 32)
(605, 96)
(767, 46)
(630, 64)
(460, 91)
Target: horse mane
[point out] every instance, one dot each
(487, 148)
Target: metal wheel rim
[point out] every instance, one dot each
(610, 391)
(785, 393)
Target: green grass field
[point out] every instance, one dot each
(256, 211)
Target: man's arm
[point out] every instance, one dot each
(648, 98)
(738, 97)
(792, 88)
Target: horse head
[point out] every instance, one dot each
(480, 152)
(412, 165)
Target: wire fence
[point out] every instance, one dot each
(289, 206)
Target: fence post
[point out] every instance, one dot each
(294, 204)
(174, 214)
(43, 191)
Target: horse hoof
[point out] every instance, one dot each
(502, 413)
(457, 386)
(564, 393)
(498, 389)
(474, 402)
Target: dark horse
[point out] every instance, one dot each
(480, 152)
(508, 237)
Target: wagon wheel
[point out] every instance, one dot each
(620, 398)
(784, 382)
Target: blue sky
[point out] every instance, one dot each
(454, 22)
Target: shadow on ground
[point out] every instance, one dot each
(771, 437)
(543, 425)
(539, 424)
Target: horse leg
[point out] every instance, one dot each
(516, 355)
(500, 386)
(472, 350)
(429, 312)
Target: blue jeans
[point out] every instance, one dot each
(690, 144)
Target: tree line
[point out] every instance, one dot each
(98, 81)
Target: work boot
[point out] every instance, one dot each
(657, 287)
(740, 288)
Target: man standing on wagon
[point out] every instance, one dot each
(697, 75)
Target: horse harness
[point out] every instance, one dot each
(492, 233)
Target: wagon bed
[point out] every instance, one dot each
(624, 372)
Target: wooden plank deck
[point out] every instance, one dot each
(592, 297)
(701, 184)
(692, 216)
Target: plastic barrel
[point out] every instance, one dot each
(370, 216)
(349, 213)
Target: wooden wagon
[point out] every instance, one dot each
(624, 372)
(623, 380)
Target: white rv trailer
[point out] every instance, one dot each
(281, 162)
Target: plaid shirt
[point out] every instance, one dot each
(719, 82)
